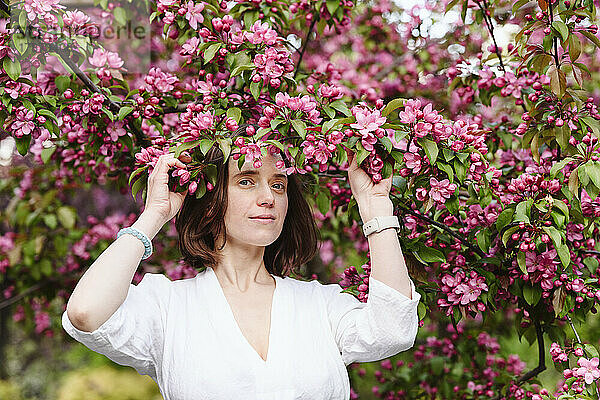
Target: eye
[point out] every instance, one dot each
(241, 182)
(279, 186)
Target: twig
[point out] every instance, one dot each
(554, 39)
(596, 252)
(114, 107)
(579, 341)
(312, 25)
(444, 228)
(490, 26)
(12, 300)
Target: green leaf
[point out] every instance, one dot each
(225, 146)
(120, 15)
(450, 5)
(391, 106)
(323, 202)
(593, 171)
(591, 350)
(300, 127)
(255, 90)
(556, 168)
(505, 218)
(521, 262)
(591, 37)
(124, 111)
(561, 28)
(235, 113)
(429, 255)
(47, 153)
(431, 149)
(554, 235)
(564, 254)
(45, 267)
(66, 216)
(138, 171)
(211, 51)
(507, 234)
(50, 221)
(447, 169)
(532, 295)
(332, 5)
(62, 83)
(327, 126)
(574, 47)
(13, 69)
(276, 122)
(47, 113)
(461, 170)
(205, 145)
(591, 263)
(593, 124)
(341, 107)
(483, 239)
(518, 5)
(387, 143)
(23, 144)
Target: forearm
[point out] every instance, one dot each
(387, 261)
(104, 286)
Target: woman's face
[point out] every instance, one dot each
(257, 202)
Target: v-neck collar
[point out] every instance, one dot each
(233, 325)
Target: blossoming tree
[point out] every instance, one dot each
(494, 154)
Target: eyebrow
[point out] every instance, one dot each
(254, 173)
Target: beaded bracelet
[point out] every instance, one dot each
(140, 235)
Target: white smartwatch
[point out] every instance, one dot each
(378, 224)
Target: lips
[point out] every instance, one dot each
(264, 217)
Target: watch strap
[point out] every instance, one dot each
(378, 224)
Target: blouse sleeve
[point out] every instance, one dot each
(134, 332)
(380, 328)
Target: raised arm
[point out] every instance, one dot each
(104, 286)
(387, 262)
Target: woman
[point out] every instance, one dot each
(240, 329)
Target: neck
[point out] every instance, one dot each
(242, 267)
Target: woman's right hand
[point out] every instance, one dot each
(160, 201)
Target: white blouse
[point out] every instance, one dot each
(184, 335)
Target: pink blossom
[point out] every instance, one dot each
(39, 8)
(98, 58)
(23, 123)
(367, 120)
(75, 19)
(114, 129)
(101, 57)
(160, 81)
(190, 46)
(194, 13)
(588, 369)
(413, 161)
(262, 33)
(442, 190)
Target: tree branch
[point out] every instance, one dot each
(443, 227)
(541, 355)
(114, 107)
(554, 39)
(490, 25)
(312, 25)
(26, 292)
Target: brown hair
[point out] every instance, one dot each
(200, 222)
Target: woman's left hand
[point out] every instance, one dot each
(362, 186)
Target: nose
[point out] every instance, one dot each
(265, 196)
